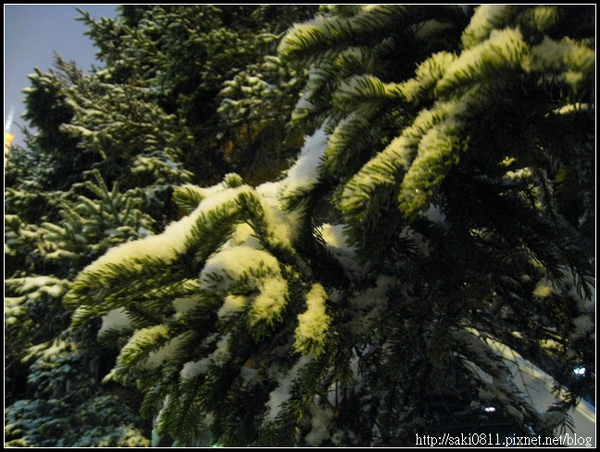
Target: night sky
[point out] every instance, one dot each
(32, 34)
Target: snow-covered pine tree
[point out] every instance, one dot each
(130, 122)
(182, 57)
(54, 393)
(437, 221)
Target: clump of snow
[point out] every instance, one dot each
(158, 357)
(149, 346)
(337, 243)
(281, 231)
(314, 322)
(570, 60)
(333, 235)
(269, 192)
(320, 420)
(47, 284)
(244, 235)
(176, 237)
(229, 265)
(232, 304)
(270, 302)
(14, 309)
(258, 269)
(48, 351)
(282, 393)
(485, 19)
(504, 48)
(305, 171)
(435, 215)
(193, 368)
(115, 319)
(222, 350)
(164, 246)
(549, 55)
(559, 56)
(543, 288)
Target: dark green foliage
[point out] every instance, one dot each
(51, 367)
(183, 56)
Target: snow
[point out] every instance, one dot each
(303, 174)
(13, 309)
(193, 368)
(320, 420)
(35, 287)
(158, 357)
(170, 243)
(115, 319)
(229, 265)
(48, 351)
(232, 304)
(302, 104)
(258, 269)
(281, 231)
(244, 235)
(483, 21)
(503, 48)
(164, 246)
(282, 393)
(314, 322)
(380, 170)
(141, 340)
(219, 355)
(543, 288)
(30, 283)
(549, 55)
(565, 57)
(270, 302)
(333, 235)
(435, 215)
